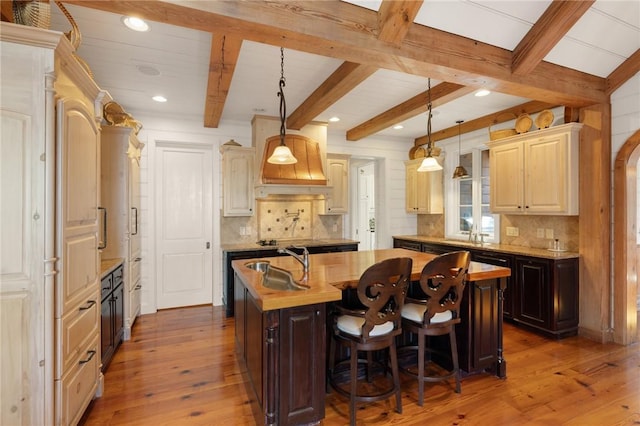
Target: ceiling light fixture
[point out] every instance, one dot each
(429, 164)
(334, 119)
(482, 92)
(159, 98)
(135, 24)
(398, 127)
(460, 171)
(282, 154)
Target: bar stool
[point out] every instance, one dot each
(381, 291)
(432, 309)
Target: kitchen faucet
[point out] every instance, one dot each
(304, 259)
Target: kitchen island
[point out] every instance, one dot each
(281, 335)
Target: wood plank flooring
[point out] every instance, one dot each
(180, 368)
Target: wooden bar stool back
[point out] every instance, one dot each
(381, 291)
(433, 309)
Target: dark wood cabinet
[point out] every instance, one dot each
(542, 293)
(548, 295)
(231, 255)
(112, 314)
(284, 353)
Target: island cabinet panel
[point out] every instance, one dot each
(284, 353)
(302, 364)
(542, 293)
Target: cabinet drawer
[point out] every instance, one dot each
(117, 276)
(78, 385)
(75, 330)
(134, 302)
(106, 285)
(134, 268)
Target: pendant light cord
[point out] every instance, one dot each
(429, 145)
(283, 104)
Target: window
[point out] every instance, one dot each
(468, 201)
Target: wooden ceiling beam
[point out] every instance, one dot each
(486, 121)
(338, 29)
(440, 95)
(395, 17)
(222, 64)
(554, 24)
(624, 72)
(340, 82)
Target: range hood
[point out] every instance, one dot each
(306, 177)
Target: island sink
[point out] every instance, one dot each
(276, 278)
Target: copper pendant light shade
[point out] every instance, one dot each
(460, 171)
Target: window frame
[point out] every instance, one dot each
(452, 191)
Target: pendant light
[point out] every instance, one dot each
(429, 164)
(459, 172)
(282, 154)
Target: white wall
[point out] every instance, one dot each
(391, 153)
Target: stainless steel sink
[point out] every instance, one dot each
(276, 278)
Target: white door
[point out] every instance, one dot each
(366, 213)
(184, 258)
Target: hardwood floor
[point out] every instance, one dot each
(180, 368)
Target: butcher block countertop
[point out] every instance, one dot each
(330, 273)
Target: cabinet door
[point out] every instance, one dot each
(533, 292)
(405, 244)
(106, 332)
(239, 313)
(507, 181)
(338, 178)
(118, 314)
(545, 166)
(510, 292)
(424, 190)
(238, 181)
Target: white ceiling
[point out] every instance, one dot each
(120, 59)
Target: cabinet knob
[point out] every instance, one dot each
(89, 304)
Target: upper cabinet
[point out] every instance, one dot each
(424, 190)
(337, 202)
(536, 173)
(237, 180)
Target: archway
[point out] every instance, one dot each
(625, 277)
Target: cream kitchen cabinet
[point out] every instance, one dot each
(337, 202)
(120, 196)
(50, 112)
(537, 172)
(237, 180)
(424, 190)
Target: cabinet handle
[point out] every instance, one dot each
(102, 244)
(137, 259)
(89, 304)
(84, 361)
(138, 287)
(135, 215)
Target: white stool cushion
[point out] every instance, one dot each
(415, 312)
(353, 325)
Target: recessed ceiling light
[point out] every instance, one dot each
(148, 70)
(398, 127)
(334, 119)
(482, 92)
(259, 110)
(135, 24)
(159, 98)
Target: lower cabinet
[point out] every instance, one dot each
(284, 352)
(112, 314)
(542, 294)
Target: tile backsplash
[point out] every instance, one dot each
(282, 218)
(564, 228)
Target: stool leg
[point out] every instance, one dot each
(454, 356)
(332, 360)
(354, 385)
(369, 366)
(396, 375)
(421, 349)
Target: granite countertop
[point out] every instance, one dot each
(108, 265)
(501, 248)
(330, 273)
(287, 243)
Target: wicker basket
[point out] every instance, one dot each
(501, 133)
